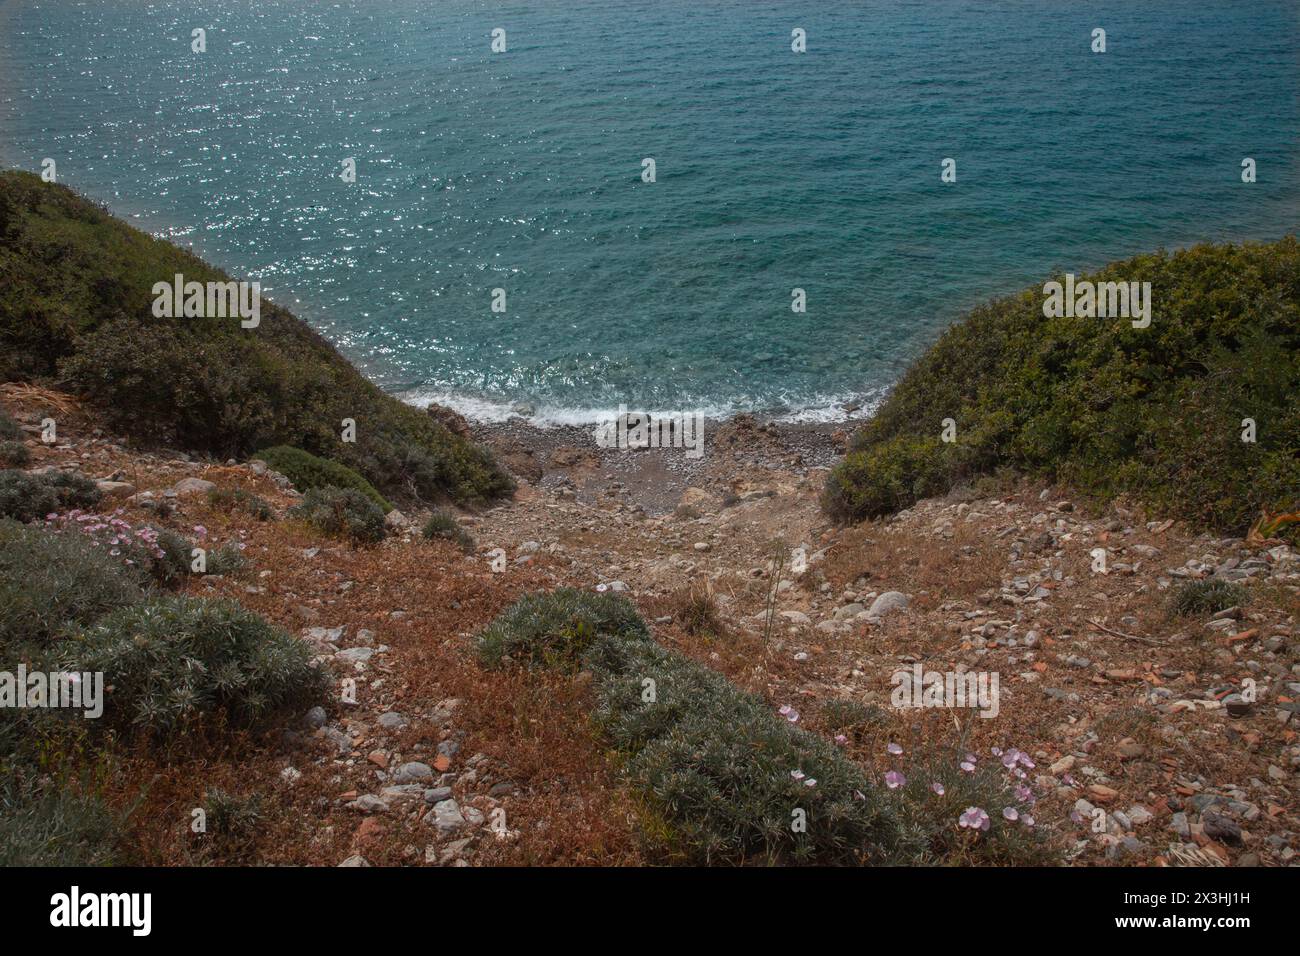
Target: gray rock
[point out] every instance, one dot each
(355, 860)
(446, 816)
(437, 794)
(192, 486)
(413, 772)
(115, 489)
(356, 654)
(315, 718)
(392, 720)
(889, 601)
(368, 803)
(847, 611)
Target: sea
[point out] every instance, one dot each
(799, 153)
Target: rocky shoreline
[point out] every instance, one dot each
(735, 450)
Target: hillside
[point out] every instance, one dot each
(77, 311)
(1155, 412)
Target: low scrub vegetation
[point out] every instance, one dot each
(1206, 597)
(77, 312)
(307, 471)
(724, 779)
(51, 583)
(30, 497)
(237, 500)
(1157, 413)
(14, 454)
(175, 661)
(443, 525)
(342, 513)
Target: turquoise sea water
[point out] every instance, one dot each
(522, 170)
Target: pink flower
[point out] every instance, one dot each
(796, 774)
(894, 780)
(967, 766)
(937, 787)
(975, 819)
(788, 712)
(810, 782)
(1010, 813)
(841, 739)
(894, 749)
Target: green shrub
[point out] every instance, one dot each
(718, 770)
(47, 826)
(343, 513)
(177, 659)
(1155, 413)
(719, 766)
(1206, 597)
(50, 583)
(172, 565)
(228, 559)
(444, 525)
(9, 429)
(237, 499)
(306, 471)
(557, 629)
(29, 497)
(232, 825)
(77, 311)
(14, 454)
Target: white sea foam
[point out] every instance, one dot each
(820, 409)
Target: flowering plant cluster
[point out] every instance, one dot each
(163, 554)
(136, 546)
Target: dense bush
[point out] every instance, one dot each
(1155, 412)
(1206, 597)
(29, 497)
(443, 525)
(307, 471)
(557, 629)
(77, 310)
(50, 826)
(343, 513)
(724, 778)
(174, 660)
(725, 773)
(50, 583)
